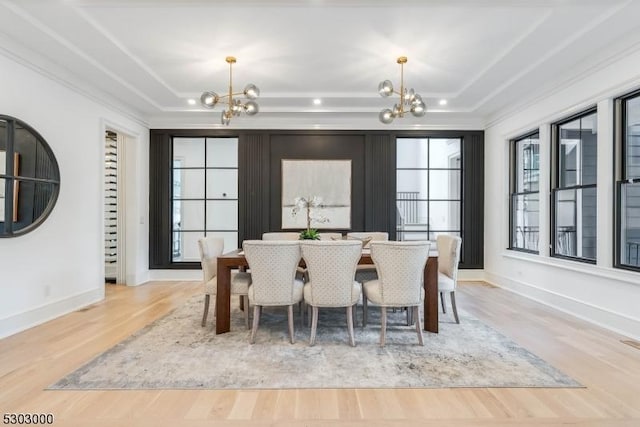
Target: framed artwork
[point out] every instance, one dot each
(321, 192)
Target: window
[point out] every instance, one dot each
(204, 194)
(29, 178)
(428, 187)
(573, 180)
(628, 181)
(524, 212)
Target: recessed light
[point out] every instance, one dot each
(191, 101)
(317, 101)
(443, 102)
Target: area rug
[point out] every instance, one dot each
(175, 352)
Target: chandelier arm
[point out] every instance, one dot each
(230, 84)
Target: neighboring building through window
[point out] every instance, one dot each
(628, 181)
(205, 194)
(428, 187)
(574, 177)
(524, 214)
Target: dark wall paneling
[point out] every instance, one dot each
(472, 255)
(380, 184)
(253, 178)
(373, 156)
(160, 200)
(322, 146)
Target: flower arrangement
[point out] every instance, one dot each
(309, 203)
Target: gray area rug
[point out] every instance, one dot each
(175, 352)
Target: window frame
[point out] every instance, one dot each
(621, 176)
(204, 199)
(513, 186)
(555, 184)
(428, 230)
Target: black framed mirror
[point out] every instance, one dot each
(29, 178)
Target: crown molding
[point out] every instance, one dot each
(53, 72)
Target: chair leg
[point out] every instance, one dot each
(245, 299)
(314, 325)
(364, 311)
(444, 307)
(354, 314)
(383, 325)
(207, 297)
(453, 305)
(416, 314)
(256, 321)
(290, 315)
(350, 311)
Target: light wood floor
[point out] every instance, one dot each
(610, 370)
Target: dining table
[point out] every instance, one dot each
(236, 260)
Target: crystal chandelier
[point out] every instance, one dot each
(410, 101)
(234, 107)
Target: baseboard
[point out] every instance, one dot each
(27, 319)
(137, 279)
(471, 275)
(621, 324)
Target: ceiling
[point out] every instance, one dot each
(485, 57)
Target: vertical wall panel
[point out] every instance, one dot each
(380, 184)
(253, 188)
(473, 200)
(159, 199)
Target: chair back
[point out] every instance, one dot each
(281, 235)
(330, 236)
(210, 249)
(449, 255)
(331, 266)
(273, 270)
(400, 270)
(370, 236)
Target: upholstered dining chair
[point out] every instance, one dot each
(280, 235)
(211, 248)
(286, 235)
(330, 236)
(273, 278)
(331, 266)
(366, 272)
(401, 269)
(448, 259)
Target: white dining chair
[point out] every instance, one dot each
(281, 235)
(331, 266)
(401, 269)
(330, 236)
(210, 249)
(273, 278)
(448, 260)
(366, 272)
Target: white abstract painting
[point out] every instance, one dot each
(329, 180)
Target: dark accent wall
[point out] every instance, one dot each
(260, 153)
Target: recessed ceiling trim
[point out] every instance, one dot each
(41, 26)
(552, 52)
(112, 38)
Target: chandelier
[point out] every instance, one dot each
(410, 101)
(234, 107)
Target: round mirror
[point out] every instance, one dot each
(29, 178)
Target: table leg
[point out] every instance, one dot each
(431, 295)
(223, 299)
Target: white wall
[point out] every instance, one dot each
(597, 293)
(59, 267)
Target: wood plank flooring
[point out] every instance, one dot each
(610, 370)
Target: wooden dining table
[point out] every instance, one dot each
(236, 260)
